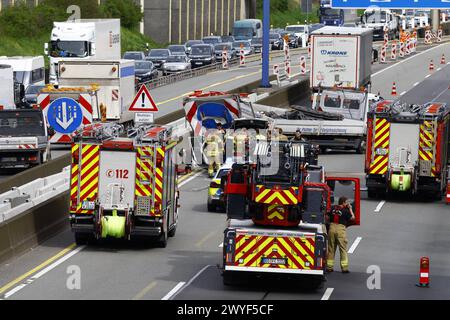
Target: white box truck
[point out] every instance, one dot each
(115, 80)
(341, 68)
(83, 39)
(6, 88)
(27, 70)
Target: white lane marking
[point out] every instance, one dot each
(445, 90)
(403, 93)
(427, 76)
(354, 245)
(327, 294)
(403, 61)
(189, 179)
(173, 291)
(438, 69)
(44, 271)
(221, 245)
(415, 84)
(185, 285)
(379, 206)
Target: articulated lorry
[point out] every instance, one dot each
(83, 39)
(341, 68)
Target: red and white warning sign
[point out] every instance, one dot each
(143, 102)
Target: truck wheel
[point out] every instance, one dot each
(372, 193)
(361, 147)
(229, 278)
(83, 238)
(211, 208)
(162, 241)
(173, 232)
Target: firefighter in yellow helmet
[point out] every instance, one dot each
(214, 151)
(339, 216)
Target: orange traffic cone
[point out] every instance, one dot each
(394, 89)
(431, 68)
(443, 59)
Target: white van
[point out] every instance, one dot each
(27, 70)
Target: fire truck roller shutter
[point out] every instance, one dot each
(236, 189)
(403, 154)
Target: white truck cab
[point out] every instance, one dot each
(83, 39)
(301, 31)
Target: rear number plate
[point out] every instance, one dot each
(9, 159)
(273, 261)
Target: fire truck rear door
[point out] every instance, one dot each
(117, 168)
(349, 188)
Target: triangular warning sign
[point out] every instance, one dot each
(143, 102)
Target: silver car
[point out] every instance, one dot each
(175, 64)
(246, 47)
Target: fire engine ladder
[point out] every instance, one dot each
(428, 134)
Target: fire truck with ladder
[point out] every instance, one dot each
(277, 203)
(123, 187)
(407, 149)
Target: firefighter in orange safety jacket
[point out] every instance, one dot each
(339, 217)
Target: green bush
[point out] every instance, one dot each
(126, 10)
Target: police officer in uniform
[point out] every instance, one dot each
(339, 217)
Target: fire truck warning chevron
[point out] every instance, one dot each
(123, 187)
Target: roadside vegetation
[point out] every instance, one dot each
(284, 12)
(24, 29)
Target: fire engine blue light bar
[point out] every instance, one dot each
(393, 4)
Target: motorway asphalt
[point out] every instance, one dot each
(394, 237)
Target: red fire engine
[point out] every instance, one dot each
(407, 149)
(276, 205)
(123, 187)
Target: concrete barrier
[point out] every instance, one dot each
(42, 171)
(33, 226)
(287, 95)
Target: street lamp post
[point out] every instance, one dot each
(265, 82)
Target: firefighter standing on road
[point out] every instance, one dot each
(340, 216)
(298, 136)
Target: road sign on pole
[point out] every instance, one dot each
(393, 4)
(65, 115)
(143, 102)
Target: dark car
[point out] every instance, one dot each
(220, 47)
(145, 71)
(177, 50)
(276, 42)
(293, 40)
(212, 40)
(32, 92)
(189, 45)
(202, 55)
(228, 39)
(158, 57)
(134, 55)
(257, 45)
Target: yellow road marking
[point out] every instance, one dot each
(204, 239)
(38, 268)
(144, 291)
(208, 87)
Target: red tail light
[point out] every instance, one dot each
(33, 158)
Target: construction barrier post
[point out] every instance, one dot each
(439, 35)
(394, 50)
(402, 49)
(394, 89)
(225, 59)
(288, 68)
(302, 65)
(242, 58)
(383, 54)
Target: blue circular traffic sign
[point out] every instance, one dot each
(65, 115)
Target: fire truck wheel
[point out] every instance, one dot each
(83, 238)
(162, 240)
(173, 232)
(211, 208)
(372, 193)
(229, 278)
